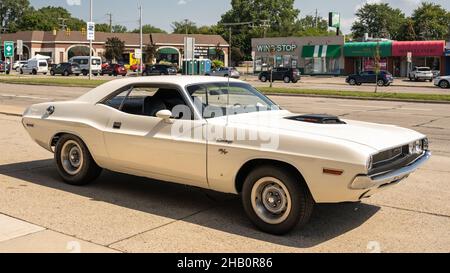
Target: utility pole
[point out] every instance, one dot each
(186, 21)
(265, 24)
(110, 21)
(230, 25)
(141, 40)
(316, 20)
(90, 43)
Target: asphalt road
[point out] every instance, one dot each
(130, 214)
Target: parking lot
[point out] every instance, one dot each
(129, 214)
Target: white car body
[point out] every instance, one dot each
(442, 81)
(35, 66)
(19, 64)
(308, 147)
(421, 73)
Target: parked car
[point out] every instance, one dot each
(18, 64)
(159, 69)
(65, 69)
(421, 73)
(83, 62)
(35, 66)
(2, 67)
(442, 82)
(148, 126)
(436, 73)
(225, 72)
(135, 67)
(384, 78)
(114, 70)
(281, 74)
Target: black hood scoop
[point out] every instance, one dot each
(318, 119)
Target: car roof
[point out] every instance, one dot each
(104, 90)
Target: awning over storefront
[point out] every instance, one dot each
(418, 48)
(168, 51)
(367, 49)
(322, 51)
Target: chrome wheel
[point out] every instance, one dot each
(271, 200)
(72, 157)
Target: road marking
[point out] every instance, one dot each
(24, 97)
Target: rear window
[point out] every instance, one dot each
(424, 69)
(42, 64)
(96, 62)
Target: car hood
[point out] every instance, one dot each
(376, 136)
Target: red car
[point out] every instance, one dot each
(114, 70)
(135, 67)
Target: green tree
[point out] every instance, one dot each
(114, 49)
(307, 26)
(12, 12)
(407, 31)
(281, 16)
(48, 18)
(119, 29)
(147, 29)
(102, 28)
(183, 27)
(431, 21)
(379, 20)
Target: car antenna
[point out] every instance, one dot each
(228, 99)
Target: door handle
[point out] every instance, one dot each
(117, 125)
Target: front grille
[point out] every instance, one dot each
(392, 159)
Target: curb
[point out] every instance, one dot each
(11, 114)
(356, 98)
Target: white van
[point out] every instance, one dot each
(35, 66)
(83, 62)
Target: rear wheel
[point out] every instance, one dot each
(352, 82)
(263, 79)
(34, 72)
(287, 79)
(74, 162)
(380, 82)
(52, 73)
(276, 201)
(66, 73)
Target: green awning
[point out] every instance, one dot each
(367, 49)
(168, 51)
(318, 51)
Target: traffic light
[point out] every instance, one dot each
(68, 31)
(83, 31)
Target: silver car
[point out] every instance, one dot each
(225, 72)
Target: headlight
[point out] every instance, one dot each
(418, 145)
(425, 144)
(369, 163)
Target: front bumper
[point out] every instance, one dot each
(378, 182)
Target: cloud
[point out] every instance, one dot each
(182, 2)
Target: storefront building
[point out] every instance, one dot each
(60, 46)
(397, 57)
(312, 55)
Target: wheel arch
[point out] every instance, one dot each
(252, 164)
(54, 140)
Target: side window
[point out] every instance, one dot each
(117, 101)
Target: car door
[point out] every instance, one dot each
(140, 143)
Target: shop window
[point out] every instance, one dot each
(322, 66)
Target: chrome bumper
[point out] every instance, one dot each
(365, 182)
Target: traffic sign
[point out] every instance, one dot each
(137, 53)
(9, 49)
(90, 31)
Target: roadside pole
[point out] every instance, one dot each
(141, 41)
(90, 45)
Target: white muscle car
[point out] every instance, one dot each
(222, 134)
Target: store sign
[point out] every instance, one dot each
(137, 53)
(276, 48)
(369, 64)
(334, 20)
(90, 31)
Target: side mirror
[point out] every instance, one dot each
(166, 115)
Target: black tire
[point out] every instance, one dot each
(66, 73)
(352, 82)
(444, 84)
(95, 74)
(21, 72)
(145, 74)
(87, 172)
(77, 75)
(52, 73)
(301, 207)
(380, 83)
(294, 81)
(34, 72)
(263, 78)
(287, 79)
(85, 73)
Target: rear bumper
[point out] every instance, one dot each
(375, 183)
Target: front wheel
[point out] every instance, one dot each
(263, 79)
(276, 201)
(380, 82)
(352, 82)
(74, 162)
(444, 84)
(287, 79)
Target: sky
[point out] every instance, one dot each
(207, 12)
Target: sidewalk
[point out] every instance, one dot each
(17, 236)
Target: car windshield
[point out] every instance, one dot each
(424, 69)
(219, 99)
(96, 62)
